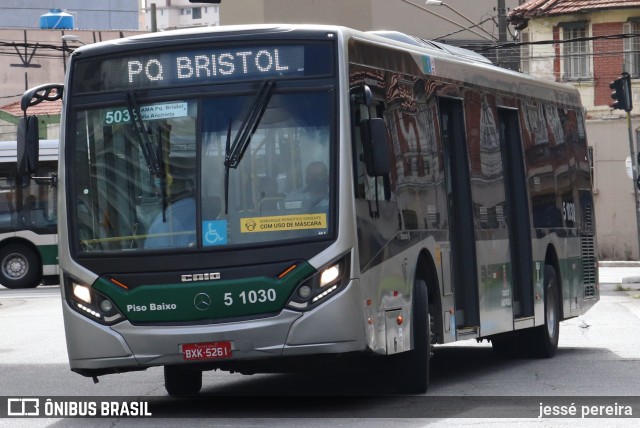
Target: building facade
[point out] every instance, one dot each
(451, 21)
(35, 57)
(160, 15)
(589, 43)
(87, 15)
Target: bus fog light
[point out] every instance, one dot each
(304, 291)
(106, 306)
(82, 292)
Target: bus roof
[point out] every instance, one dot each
(48, 150)
(456, 63)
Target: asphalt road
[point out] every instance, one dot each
(597, 362)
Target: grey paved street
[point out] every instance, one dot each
(597, 358)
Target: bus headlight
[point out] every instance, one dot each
(329, 275)
(321, 285)
(82, 292)
(90, 303)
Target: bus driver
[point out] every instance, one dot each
(316, 191)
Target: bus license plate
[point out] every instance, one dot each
(206, 351)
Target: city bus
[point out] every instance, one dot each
(28, 220)
(258, 198)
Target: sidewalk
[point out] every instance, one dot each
(618, 264)
(619, 272)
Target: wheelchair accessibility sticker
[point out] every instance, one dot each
(214, 232)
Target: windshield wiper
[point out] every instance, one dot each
(153, 157)
(150, 155)
(234, 152)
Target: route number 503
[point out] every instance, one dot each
(117, 116)
(252, 296)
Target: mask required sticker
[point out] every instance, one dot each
(282, 223)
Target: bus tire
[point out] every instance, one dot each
(414, 365)
(544, 339)
(181, 380)
(19, 266)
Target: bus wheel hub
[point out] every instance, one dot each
(15, 267)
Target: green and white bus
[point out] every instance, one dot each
(28, 220)
(247, 198)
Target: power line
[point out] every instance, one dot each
(554, 42)
(37, 45)
(479, 24)
(581, 54)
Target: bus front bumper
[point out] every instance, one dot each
(330, 328)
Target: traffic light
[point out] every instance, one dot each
(622, 93)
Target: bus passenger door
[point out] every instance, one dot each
(517, 212)
(460, 212)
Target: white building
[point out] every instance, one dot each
(171, 14)
(87, 15)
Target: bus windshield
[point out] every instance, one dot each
(279, 188)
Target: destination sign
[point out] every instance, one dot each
(184, 67)
(217, 64)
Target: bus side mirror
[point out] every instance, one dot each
(376, 147)
(27, 145)
(362, 95)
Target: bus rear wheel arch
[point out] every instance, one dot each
(20, 266)
(540, 341)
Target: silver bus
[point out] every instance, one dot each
(28, 220)
(247, 198)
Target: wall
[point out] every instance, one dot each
(614, 198)
(369, 15)
(46, 63)
(607, 130)
(606, 62)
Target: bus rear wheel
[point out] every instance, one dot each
(19, 266)
(181, 380)
(544, 339)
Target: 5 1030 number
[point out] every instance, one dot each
(251, 297)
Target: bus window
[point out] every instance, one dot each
(276, 177)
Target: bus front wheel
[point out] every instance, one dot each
(19, 266)
(414, 365)
(181, 380)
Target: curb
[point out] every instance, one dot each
(619, 264)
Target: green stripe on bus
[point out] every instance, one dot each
(204, 300)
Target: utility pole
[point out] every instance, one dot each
(154, 23)
(502, 28)
(502, 21)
